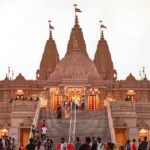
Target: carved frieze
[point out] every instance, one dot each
(119, 122)
(26, 122)
(141, 124)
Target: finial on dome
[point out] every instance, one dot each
(50, 30)
(76, 20)
(101, 29)
(6, 78)
(102, 34)
(76, 11)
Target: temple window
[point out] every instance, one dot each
(130, 95)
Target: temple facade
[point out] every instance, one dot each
(76, 75)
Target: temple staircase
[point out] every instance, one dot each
(88, 123)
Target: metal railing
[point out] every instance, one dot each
(36, 118)
(72, 128)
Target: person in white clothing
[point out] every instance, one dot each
(63, 144)
(44, 133)
(98, 145)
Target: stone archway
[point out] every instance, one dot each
(93, 101)
(55, 98)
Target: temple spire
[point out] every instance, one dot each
(49, 59)
(76, 37)
(102, 59)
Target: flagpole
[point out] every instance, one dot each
(49, 27)
(75, 5)
(100, 22)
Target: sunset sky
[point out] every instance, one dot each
(24, 32)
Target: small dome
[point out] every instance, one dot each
(20, 77)
(75, 66)
(130, 78)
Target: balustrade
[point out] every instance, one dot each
(24, 105)
(5, 107)
(122, 106)
(142, 107)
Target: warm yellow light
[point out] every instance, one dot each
(130, 92)
(143, 131)
(4, 132)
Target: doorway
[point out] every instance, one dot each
(24, 135)
(120, 136)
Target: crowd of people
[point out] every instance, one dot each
(90, 144)
(40, 140)
(68, 105)
(7, 143)
(133, 145)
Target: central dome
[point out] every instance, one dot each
(75, 65)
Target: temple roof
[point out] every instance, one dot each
(75, 65)
(20, 78)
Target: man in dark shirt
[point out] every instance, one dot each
(86, 145)
(31, 145)
(1, 145)
(144, 144)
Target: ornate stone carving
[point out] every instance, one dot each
(26, 122)
(5, 124)
(141, 124)
(119, 122)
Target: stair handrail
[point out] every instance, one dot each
(36, 117)
(110, 120)
(72, 128)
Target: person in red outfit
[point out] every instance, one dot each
(133, 145)
(42, 124)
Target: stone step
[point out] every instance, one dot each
(88, 123)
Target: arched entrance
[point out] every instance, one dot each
(20, 94)
(130, 95)
(55, 97)
(93, 99)
(75, 94)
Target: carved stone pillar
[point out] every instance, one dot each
(48, 98)
(87, 91)
(62, 94)
(102, 96)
